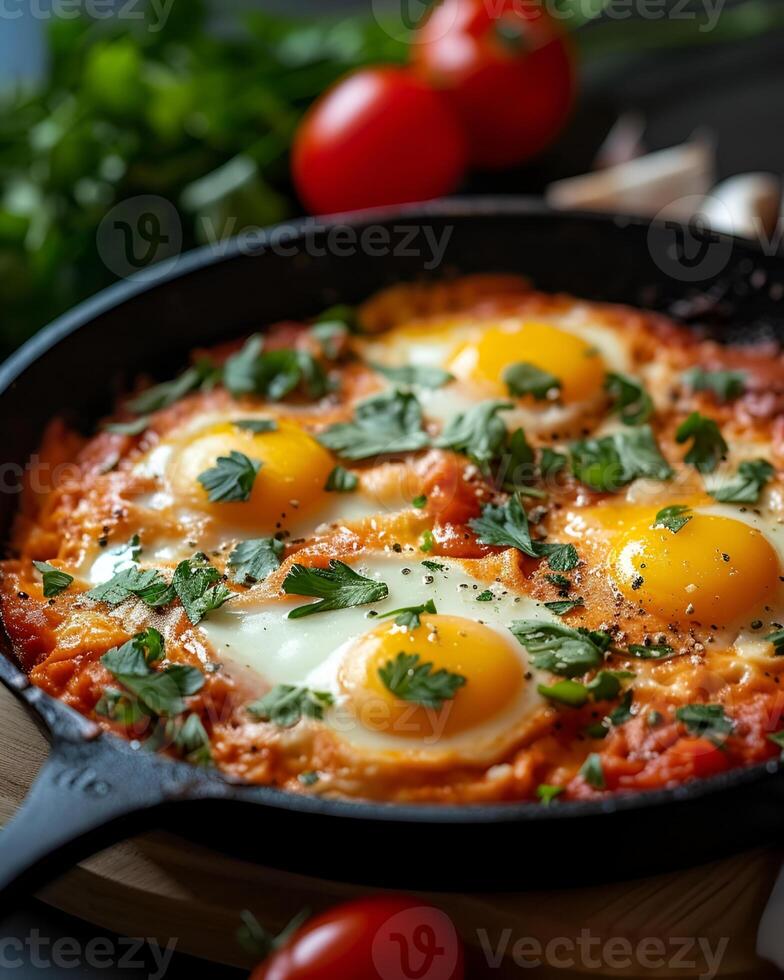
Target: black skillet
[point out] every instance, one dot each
(95, 788)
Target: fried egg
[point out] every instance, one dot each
(343, 651)
(576, 351)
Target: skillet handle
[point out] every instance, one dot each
(89, 793)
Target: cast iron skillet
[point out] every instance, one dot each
(95, 788)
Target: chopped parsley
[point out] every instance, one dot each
(203, 374)
(707, 720)
(478, 433)
(623, 712)
(336, 587)
(486, 596)
(562, 606)
(55, 580)
(286, 704)
(146, 584)
(410, 680)
(551, 462)
(419, 502)
(592, 771)
(558, 649)
(777, 639)
(673, 518)
(158, 692)
(708, 446)
(413, 375)
(523, 379)
(387, 423)
(725, 385)
(273, 374)
(433, 566)
(197, 585)
(630, 400)
(190, 738)
(778, 739)
(569, 693)
(560, 581)
(746, 487)
(341, 480)
(253, 560)
(610, 462)
(256, 426)
(408, 616)
(547, 793)
(506, 525)
(428, 541)
(134, 427)
(607, 684)
(231, 479)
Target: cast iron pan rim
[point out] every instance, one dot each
(57, 715)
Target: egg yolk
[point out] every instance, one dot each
(576, 364)
(294, 468)
(713, 570)
(491, 667)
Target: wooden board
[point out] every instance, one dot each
(158, 885)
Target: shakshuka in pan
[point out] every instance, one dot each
(466, 542)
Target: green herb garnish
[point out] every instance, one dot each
(253, 560)
(55, 580)
(336, 587)
(273, 374)
(630, 400)
(746, 487)
(661, 651)
(341, 480)
(673, 518)
(387, 423)
(409, 615)
(231, 479)
(478, 433)
(725, 385)
(708, 446)
(557, 648)
(547, 793)
(507, 526)
(286, 704)
(526, 379)
(562, 606)
(413, 375)
(592, 771)
(410, 680)
(708, 720)
(256, 426)
(610, 462)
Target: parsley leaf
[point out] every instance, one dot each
(409, 615)
(387, 423)
(286, 704)
(132, 428)
(190, 738)
(331, 335)
(623, 712)
(507, 526)
(273, 374)
(196, 584)
(661, 651)
(778, 739)
(147, 584)
(341, 480)
(55, 580)
(486, 596)
(526, 379)
(560, 581)
(725, 385)
(414, 375)
(747, 485)
(478, 433)
(630, 400)
(557, 648)
(433, 566)
(409, 680)
(256, 426)
(159, 396)
(231, 479)
(571, 693)
(551, 462)
(253, 560)
(674, 518)
(777, 639)
(562, 606)
(592, 771)
(706, 720)
(419, 502)
(160, 692)
(547, 793)
(610, 462)
(336, 587)
(607, 684)
(708, 446)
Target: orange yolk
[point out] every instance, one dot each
(294, 469)
(486, 659)
(713, 570)
(576, 364)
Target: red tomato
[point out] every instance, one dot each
(509, 70)
(379, 136)
(384, 938)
